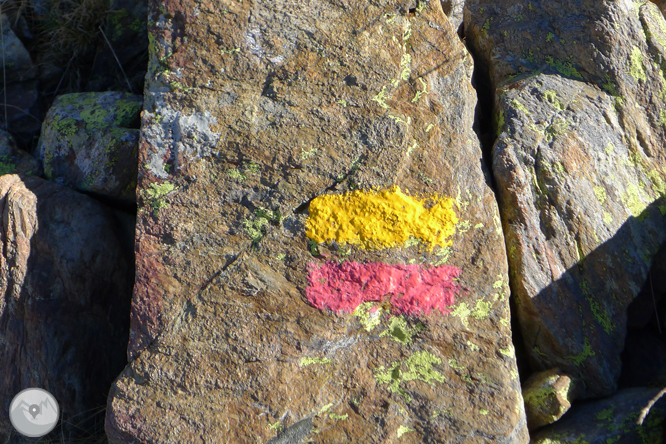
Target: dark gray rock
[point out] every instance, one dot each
(65, 285)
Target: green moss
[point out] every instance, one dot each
(304, 362)
(6, 166)
(637, 69)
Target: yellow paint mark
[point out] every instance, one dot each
(381, 219)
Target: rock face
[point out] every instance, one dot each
(256, 114)
(61, 276)
(611, 420)
(89, 142)
(20, 86)
(579, 163)
(14, 160)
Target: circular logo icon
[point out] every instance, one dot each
(34, 412)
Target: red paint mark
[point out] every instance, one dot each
(414, 289)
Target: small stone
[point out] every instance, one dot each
(548, 395)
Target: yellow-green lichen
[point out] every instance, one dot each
(402, 430)
(236, 175)
(636, 68)
(551, 97)
(305, 361)
(399, 331)
(519, 106)
(583, 355)
(453, 363)
(634, 203)
(444, 253)
(381, 97)
(462, 311)
(277, 426)
(600, 193)
(481, 310)
(369, 315)
(156, 195)
(607, 218)
(484, 412)
(417, 367)
(421, 93)
(338, 417)
(473, 346)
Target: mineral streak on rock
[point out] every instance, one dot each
(381, 219)
(414, 289)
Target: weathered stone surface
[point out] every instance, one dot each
(579, 164)
(253, 109)
(14, 160)
(62, 280)
(454, 10)
(548, 395)
(610, 420)
(88, 142)
(18, 65)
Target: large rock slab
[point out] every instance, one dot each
(64, 295)
(258, 117)
(579, 163)
(630, 416)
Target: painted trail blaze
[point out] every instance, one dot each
(381, 219)
(414, 290)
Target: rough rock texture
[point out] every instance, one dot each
(20, 88)
(89, 142)
(579, 164)
(454, 10)
(610, 420)
(14, 160)
(252, 110)
(62, 277)
(18, 65)
(548, 395)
